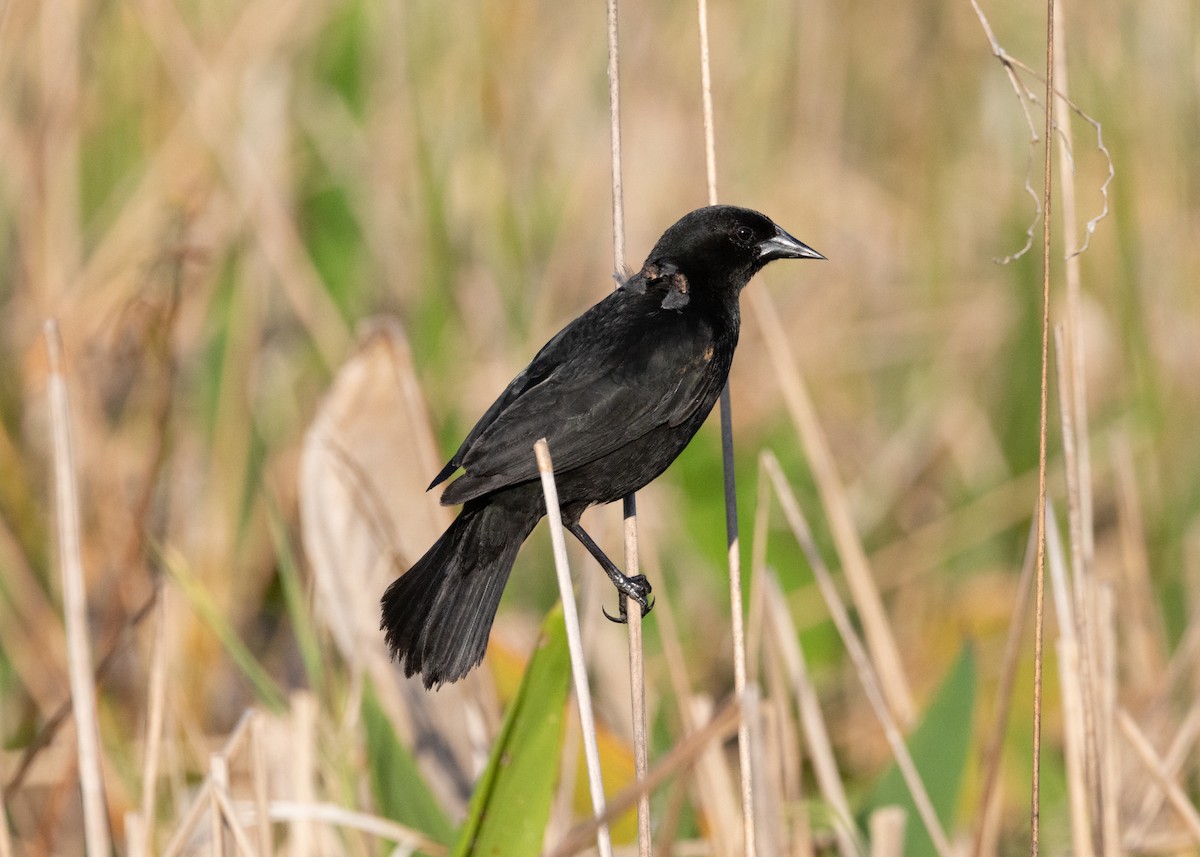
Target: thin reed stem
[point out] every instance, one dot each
(583, 694)
(1008, 674)
(75, 612)
(637, 680)
(1040, 602)
(730, 477)
(858, 654)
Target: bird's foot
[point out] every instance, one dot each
(637, 588)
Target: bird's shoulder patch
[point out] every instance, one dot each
(665, 273)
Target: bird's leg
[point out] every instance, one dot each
(637, 588)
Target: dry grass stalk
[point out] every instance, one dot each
(714, 783)
(337, 816)
(641, 741)
(880, 640)
(786, 642)
(1143, 647)
(1079, 793)
(1074, 393)
(137, 836)
(768, 758)
(887, 831)
(75, 611)
(156, 694)
(1177, 754)
(218, 774)
(583, 696)
(686, 753)
(1035, 779)
(989, 805)
(1106, 699)
(858, 655)
(201, 803)
(302, 757)
(1082, 588)
(745, 761)
(637, 688)
(1175, 795)
(228, 819)
(258, 766)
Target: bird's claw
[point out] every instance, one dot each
(637, 588)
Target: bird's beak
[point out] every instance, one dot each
(784, 246)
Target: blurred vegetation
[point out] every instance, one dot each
(212, 196)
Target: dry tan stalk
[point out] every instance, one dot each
(59, 238)
(1075, 391)
(988, 842)
(336, 816)
(228, 818)
(1078, 794)
(1035, 800)
(989, 804)
(156, 705)
(218, 775)
(302, 756)
(855, 567)
(1178, 753)
(200, 804)
(1083, 593)
(637, 700)
(759, 537)
(714, 783)
(1106, 700)
(1074, 730)
(1144, 646)
(731, 524)
(786, 642)
(583, 695)
(136, 836)
(887, 831)
(1175, 795)
(83, 689)
(258, 768)
(684, 754)
(858, 655)
(788, 765)
(767, 754)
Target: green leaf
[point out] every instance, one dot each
(511, 804)
(940, 749)
(400, 791)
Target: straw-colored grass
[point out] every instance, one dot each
(212, 200)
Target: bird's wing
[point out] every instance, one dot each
(607, 379)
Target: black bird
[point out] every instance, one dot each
(617, 394)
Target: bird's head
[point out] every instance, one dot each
(720, 247)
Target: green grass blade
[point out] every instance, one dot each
(400, 792)
(940, 749)
(508, 813)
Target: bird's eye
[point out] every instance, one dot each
(744, 234)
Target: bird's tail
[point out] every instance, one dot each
(437, 615)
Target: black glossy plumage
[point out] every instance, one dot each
(617, 393)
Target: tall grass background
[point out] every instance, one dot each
(225, 205)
